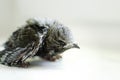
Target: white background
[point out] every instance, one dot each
(95, 25)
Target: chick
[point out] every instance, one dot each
(45, 38)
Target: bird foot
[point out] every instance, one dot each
(52, 58)
(24, 65)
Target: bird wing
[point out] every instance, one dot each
(24, 43)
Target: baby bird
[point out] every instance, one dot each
(45, 38)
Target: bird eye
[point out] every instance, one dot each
(61, 42)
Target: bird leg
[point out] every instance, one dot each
(51, 56)
(23, 64)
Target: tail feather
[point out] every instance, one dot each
(16, 56)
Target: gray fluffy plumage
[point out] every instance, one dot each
(39, 37)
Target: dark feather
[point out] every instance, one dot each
(43, 38)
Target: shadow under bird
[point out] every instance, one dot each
(45, 38)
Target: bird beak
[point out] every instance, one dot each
(68, 46)
(76, 46)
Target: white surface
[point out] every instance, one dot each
(84, 64)
(95, 25)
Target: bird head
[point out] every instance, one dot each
(60, 38)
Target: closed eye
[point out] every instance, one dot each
(61, 42)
